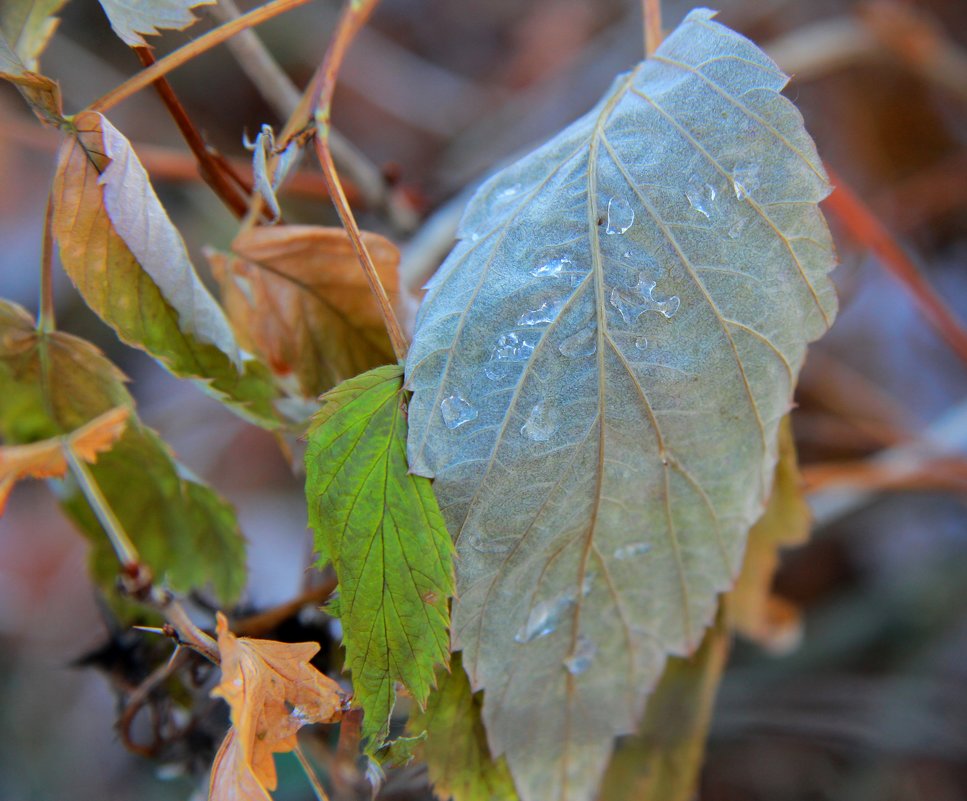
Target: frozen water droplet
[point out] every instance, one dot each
(587, 583)
(300, 716)
(701, 196)
(736, 228)
(509, 192)
(543, 619)
(474, 236)
(620, 216)
(641, 343)
(582, 657)
(745, 179)
(511, 349)
(630, 550)
(553, 268)
(541, 423)
(457, 410)
(634, 303)
(583, 343)
(480, 542)
(544, 314)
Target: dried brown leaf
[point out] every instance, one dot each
(273, 691)
(297, 297)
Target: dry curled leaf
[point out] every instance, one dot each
(273, 691)
(47, 458)
(130, 20)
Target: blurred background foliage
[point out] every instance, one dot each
(870, 705)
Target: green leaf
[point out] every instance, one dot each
(132, 268)
(130, 19)
(183, 530)
(598, 372)
(27, 26)
(456, 752)
(400, 752)
(663, 761)
(54, 383)
(381, 529)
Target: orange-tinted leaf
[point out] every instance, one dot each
(46, 459)
(273, 691)
(296, 296)
(232, 777)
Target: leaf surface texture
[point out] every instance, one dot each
(598, 372)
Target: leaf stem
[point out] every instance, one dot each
(211, 166)
(651, 10)
(352, 20)
(45, 319)
(213, 38)
(126, 552)
(310, 772)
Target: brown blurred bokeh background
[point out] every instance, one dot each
(872, 705)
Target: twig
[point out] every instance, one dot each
(170, 164)
(310, 772)
(651, 11)
(946, 437)
(266, 621)
(863, 224)
(136, 83)
(45, 319)
(212, 170)
(126, 552)
(138, 698)
(352, 19)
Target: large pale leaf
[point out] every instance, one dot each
(599, 370)
(27, 25)
(55, 384)
(455, 749)
(297, 297)
(131, 18)
(131, 265)
(381, 529)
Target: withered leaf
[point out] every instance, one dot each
(273, 691)
(296, 295)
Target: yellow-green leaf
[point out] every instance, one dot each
(132, 268)
(381, 529)
(662, 762)
(54, 384)
(755, 612)
(456, 753)
(27, 26)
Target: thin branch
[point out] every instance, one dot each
(139, 697)
(310, 772)
(256, 625)
(867, 229)
(45, 319)
(212, 170)
(651, 11)
(170, 164)
(352, 19)
(183, 55)
(126, 552)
